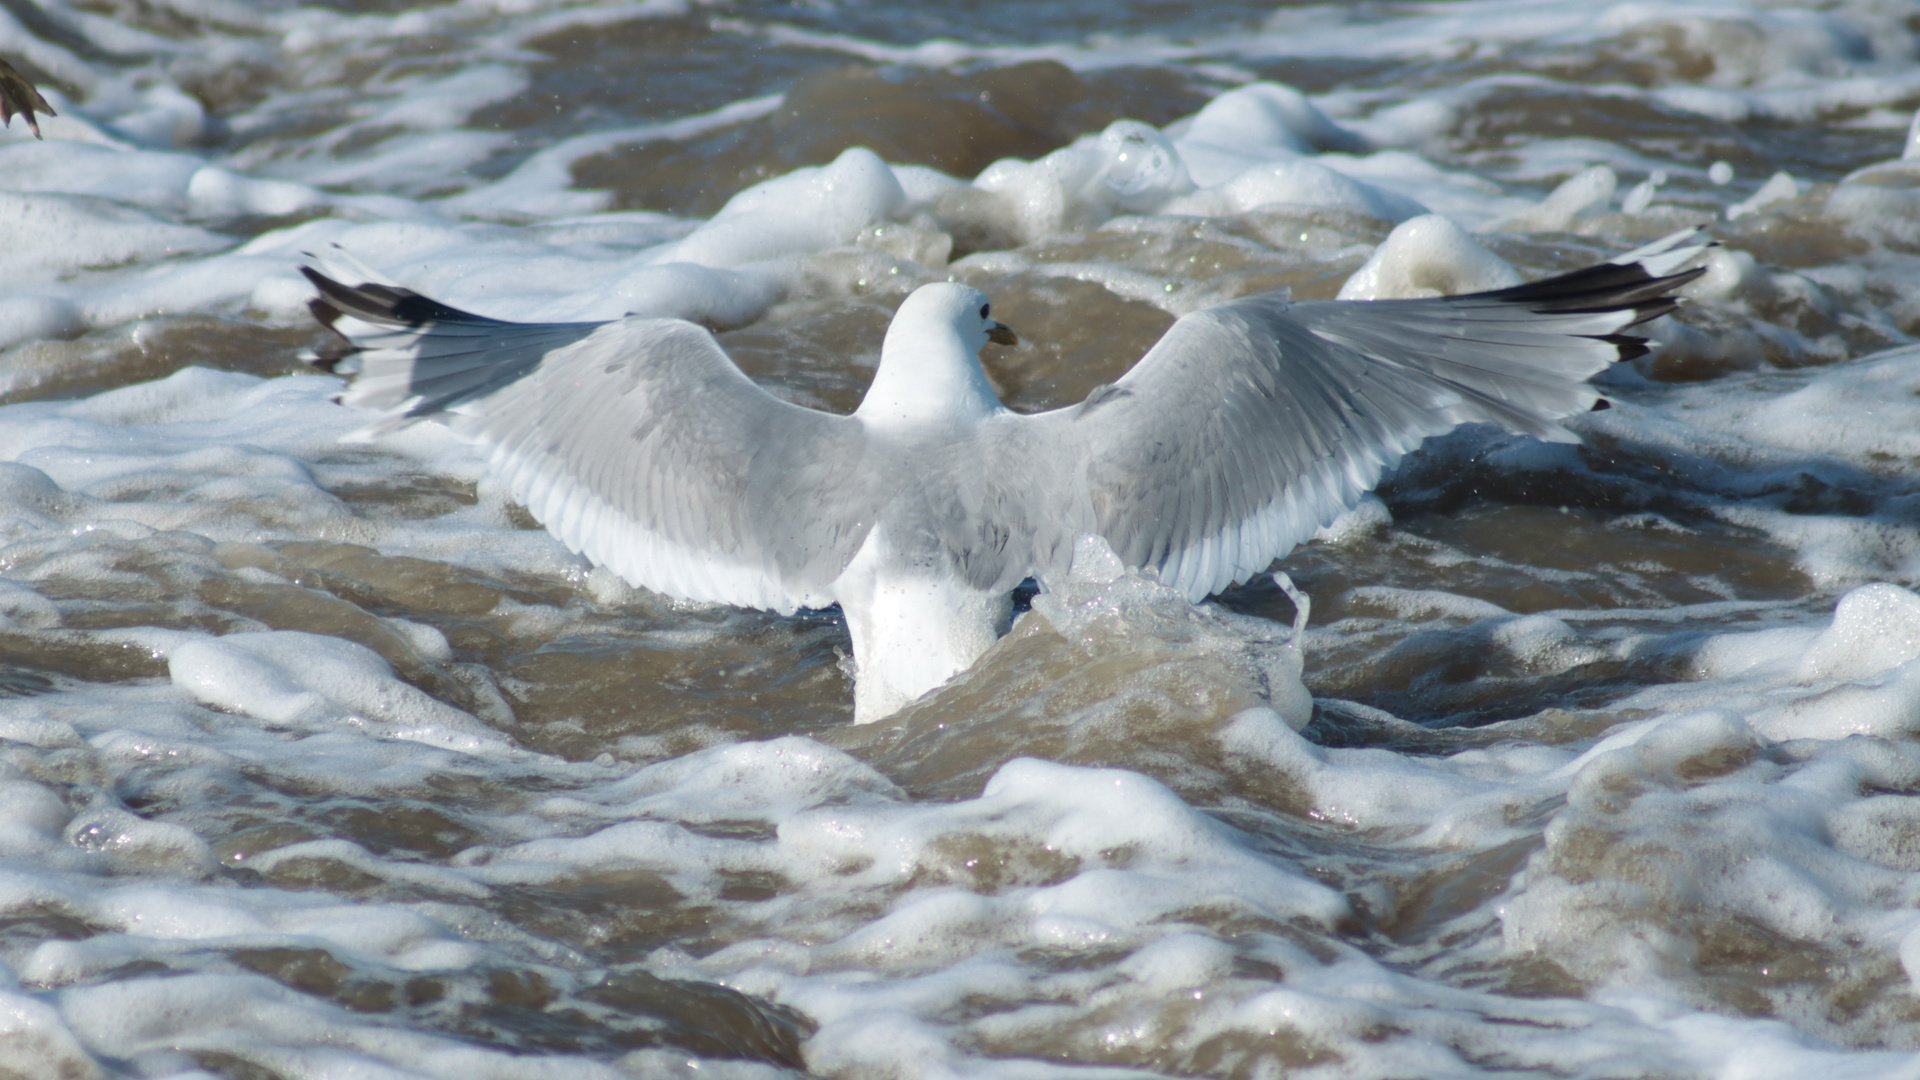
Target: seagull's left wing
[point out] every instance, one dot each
(1252, 423)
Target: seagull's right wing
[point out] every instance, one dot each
(1252, 423)
(637, 442)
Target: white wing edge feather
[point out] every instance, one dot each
(1241, 550)
(1670, 253)
(340, 264)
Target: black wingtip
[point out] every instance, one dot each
(378, 303)
(1631, 346)
(327, 357)
(1606, 287)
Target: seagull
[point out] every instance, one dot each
(1248, 426)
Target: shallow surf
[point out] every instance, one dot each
(319, 757)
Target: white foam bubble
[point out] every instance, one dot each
(1253, 124)
(802, 212)
(1780, 187)
(38, 318)
(1584, 193)
(50, 235)
(316, 682)
(1295, 183)
(1428, 256)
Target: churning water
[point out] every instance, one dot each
(318, 758)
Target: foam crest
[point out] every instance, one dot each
(1428, 256)
(1256, 123)
(314, 682)
(1106, 608)
(805, 211)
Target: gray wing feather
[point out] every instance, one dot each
(1253, 423)
(638, 442)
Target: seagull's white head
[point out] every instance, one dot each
(963, 308)
(930, 362)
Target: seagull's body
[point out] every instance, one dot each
(1248, 426)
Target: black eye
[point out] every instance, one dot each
(983, 310)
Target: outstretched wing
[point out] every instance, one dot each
(637, 442)
(1253, 423)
